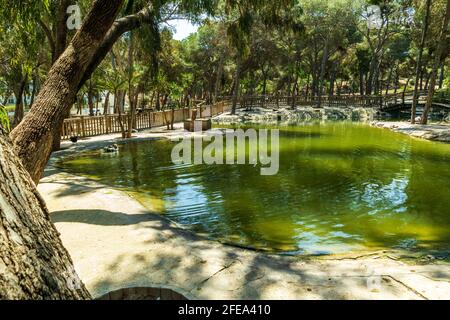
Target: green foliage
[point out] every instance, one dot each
(281, 46)
(442, 94)
(4, 120)
(23, 10)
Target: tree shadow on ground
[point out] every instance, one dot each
(99, 217)
(71, 188)
(202, 269)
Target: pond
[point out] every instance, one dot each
(341, 187)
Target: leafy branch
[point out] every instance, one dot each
(4, 120)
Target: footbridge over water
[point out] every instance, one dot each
(389, 103)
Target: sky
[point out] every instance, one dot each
(183, 28)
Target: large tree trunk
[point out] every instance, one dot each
(158, 101)
(388, 84)
(322, 72)
(119, 104)
(405, 87)
(34, 89)
(333, 78)
(61, 29)
(131, 93)
(442, 75)
(19, 110)
(217, 86)
(437, 61)
(361, 82)
(33, 262)
(376, 79)
(370, 76)
(33, 138)
(265, 75)
(427, 81)
(56, 144)
(237, 77)
(90, 95)
(295, 89)
(106, 105)
(422, 72)
(59, 45)
(57, 37)
(294, 93)
(397, 80)
(119, 27)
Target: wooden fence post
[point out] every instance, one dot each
(149, 114)
(106, 124)
(83, 127)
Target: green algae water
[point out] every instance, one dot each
(341, 187)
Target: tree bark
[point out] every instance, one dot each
(333, 78)
(59, 45)
(237, 77)
(33, 137)
(294, 93)
(370, 76)
(376, 79)
(91, 99)
(295, 89)
(61, 29)
(49, 35)
(437, 61)
(427, 81)
(122, 127)
(131, 96)
(422, 72)
(404, 89)
(33, 261)
(158, 101)
(397, 80)
(19, 110)
(442, 75)
(361, 82)
(34, 89)
(118, 28)
(119, 103)
(217, 88)
(322, 71)
(388, 84)
(106, 105)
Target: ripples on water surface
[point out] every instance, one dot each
(341, 187)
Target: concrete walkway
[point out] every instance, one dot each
(115, 243)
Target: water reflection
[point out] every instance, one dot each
(341, 187)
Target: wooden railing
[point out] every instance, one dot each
(89, 126)
(276, 102)
(362, 101)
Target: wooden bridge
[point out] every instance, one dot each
(405, 104)
(276, 102)
(385, 103)
(88, 126)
